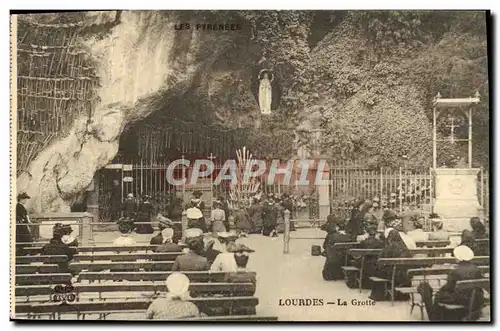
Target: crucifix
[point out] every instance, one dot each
(452, 127)
(212, 158)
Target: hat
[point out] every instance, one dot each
(233, 247)
(463, 253)
(197, 194)
(130, 195)
(227, 235)
(375, 204)
(193, 233)
(177, 283)
(163, 221)
(384, 203)
(393, 195)
(194, 213)
(376, 199)
(23, 195)
(392, 201)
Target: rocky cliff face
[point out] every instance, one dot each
(141, 65)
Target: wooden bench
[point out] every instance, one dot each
(422, 261)
(127, 257)
(361, 254)
(122, 266)
(105, 308)
(344, 248)
(53, 279)
(102, 248)
(52, 259)
(151, 288)
(194, 276)
(36, 269)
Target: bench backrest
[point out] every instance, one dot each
(122, 266)
(194, 276)
(52, 259)
(195, 289)
(346, 245)
(439, 271)
(428, 261)
(433, 243)
(483, 283)
(103, 248)
(34, 269)
(358, 252)
(54, 279)
(103, 306)
(127, 257)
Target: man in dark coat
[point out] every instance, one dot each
(288, 204)
(269, 218)
(255, 212)
(334, 259)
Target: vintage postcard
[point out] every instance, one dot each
(250, 165)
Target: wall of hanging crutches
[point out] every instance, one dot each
(56, 83)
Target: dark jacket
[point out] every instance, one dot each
(334, 258)
(255, 212)
(190, 262)
(129, 208)
(56, 247)
(23, 233)
(168, 248)
(447, 293)
(157, 240)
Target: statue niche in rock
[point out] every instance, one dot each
(266, 90)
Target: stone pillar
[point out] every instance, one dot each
(93, 197)
(324, 192)
(456, 197)
(87, 229)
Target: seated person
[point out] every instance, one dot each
(124, 239)
(163, 223)
(369, 221)
(225, 260)
(57, 247)
(167, 245)
(211, 253)
(175, 304)
(334, 258)
(478, 228)
(418, 233)
(394, 247)
(447, 294)
(370, 262)
(479, 249)
(193, 260)
(437, 230)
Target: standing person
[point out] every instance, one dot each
(227, 212)
(23, 231)
(145, 212)
(129, 208)
(288, 205)
(175, 304)
(175, 214)
(242, 221)
(448, 294)
(355, 228)
(269, 218)
(255, 213)
(196, 202)
(217, 218)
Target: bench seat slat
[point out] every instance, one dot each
(33, 269)
(127, 305)
(125, 266)
(127, 257)
(52, 259)
(31, 279)
(194, 276)
(429, 260)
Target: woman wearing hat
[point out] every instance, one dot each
(163, 223)
(269, 218)
(225, 260)
(175, 304)
(448, 294)
(67, 238)
(57, 247)
(167, 245)
(129, 207)
(196, 219)
(23, 232)
(334, 257)
(217, 218)
(193, 260)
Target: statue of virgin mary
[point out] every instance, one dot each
(265, 91)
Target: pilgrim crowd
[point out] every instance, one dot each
(378, 226)
(210, 244)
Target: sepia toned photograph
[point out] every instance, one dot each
(250, 166)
